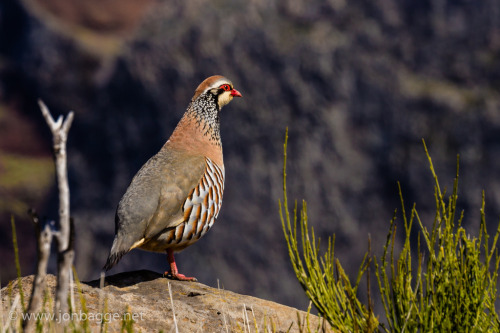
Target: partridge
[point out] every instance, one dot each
(175, 197)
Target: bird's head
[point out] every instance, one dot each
(220, 87)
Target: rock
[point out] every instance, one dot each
(145, 296)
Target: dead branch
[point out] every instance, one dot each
(60, 129)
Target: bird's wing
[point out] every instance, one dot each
(154, 198)
(179, 176)
(136, 207)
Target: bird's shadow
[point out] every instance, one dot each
(126, 279)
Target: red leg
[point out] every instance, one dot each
(174, 272)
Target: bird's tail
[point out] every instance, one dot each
(113, 260)
(116, 253)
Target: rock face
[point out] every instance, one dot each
(145, 296)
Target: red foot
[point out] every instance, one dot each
(180, 277)
(174, 272)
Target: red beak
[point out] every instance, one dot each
(235, 93)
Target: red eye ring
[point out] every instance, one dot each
(225, 87)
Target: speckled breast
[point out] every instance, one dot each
(201, 208)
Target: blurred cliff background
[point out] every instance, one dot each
(359, 84)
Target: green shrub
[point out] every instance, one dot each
(451, 287)
(322, 277)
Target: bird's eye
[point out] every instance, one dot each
(225, 87)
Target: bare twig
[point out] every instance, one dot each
(101, 292)
(173, 309)
(12, 310)
(44, 239)
(60, 129)
(246, 322)
(222, 302)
